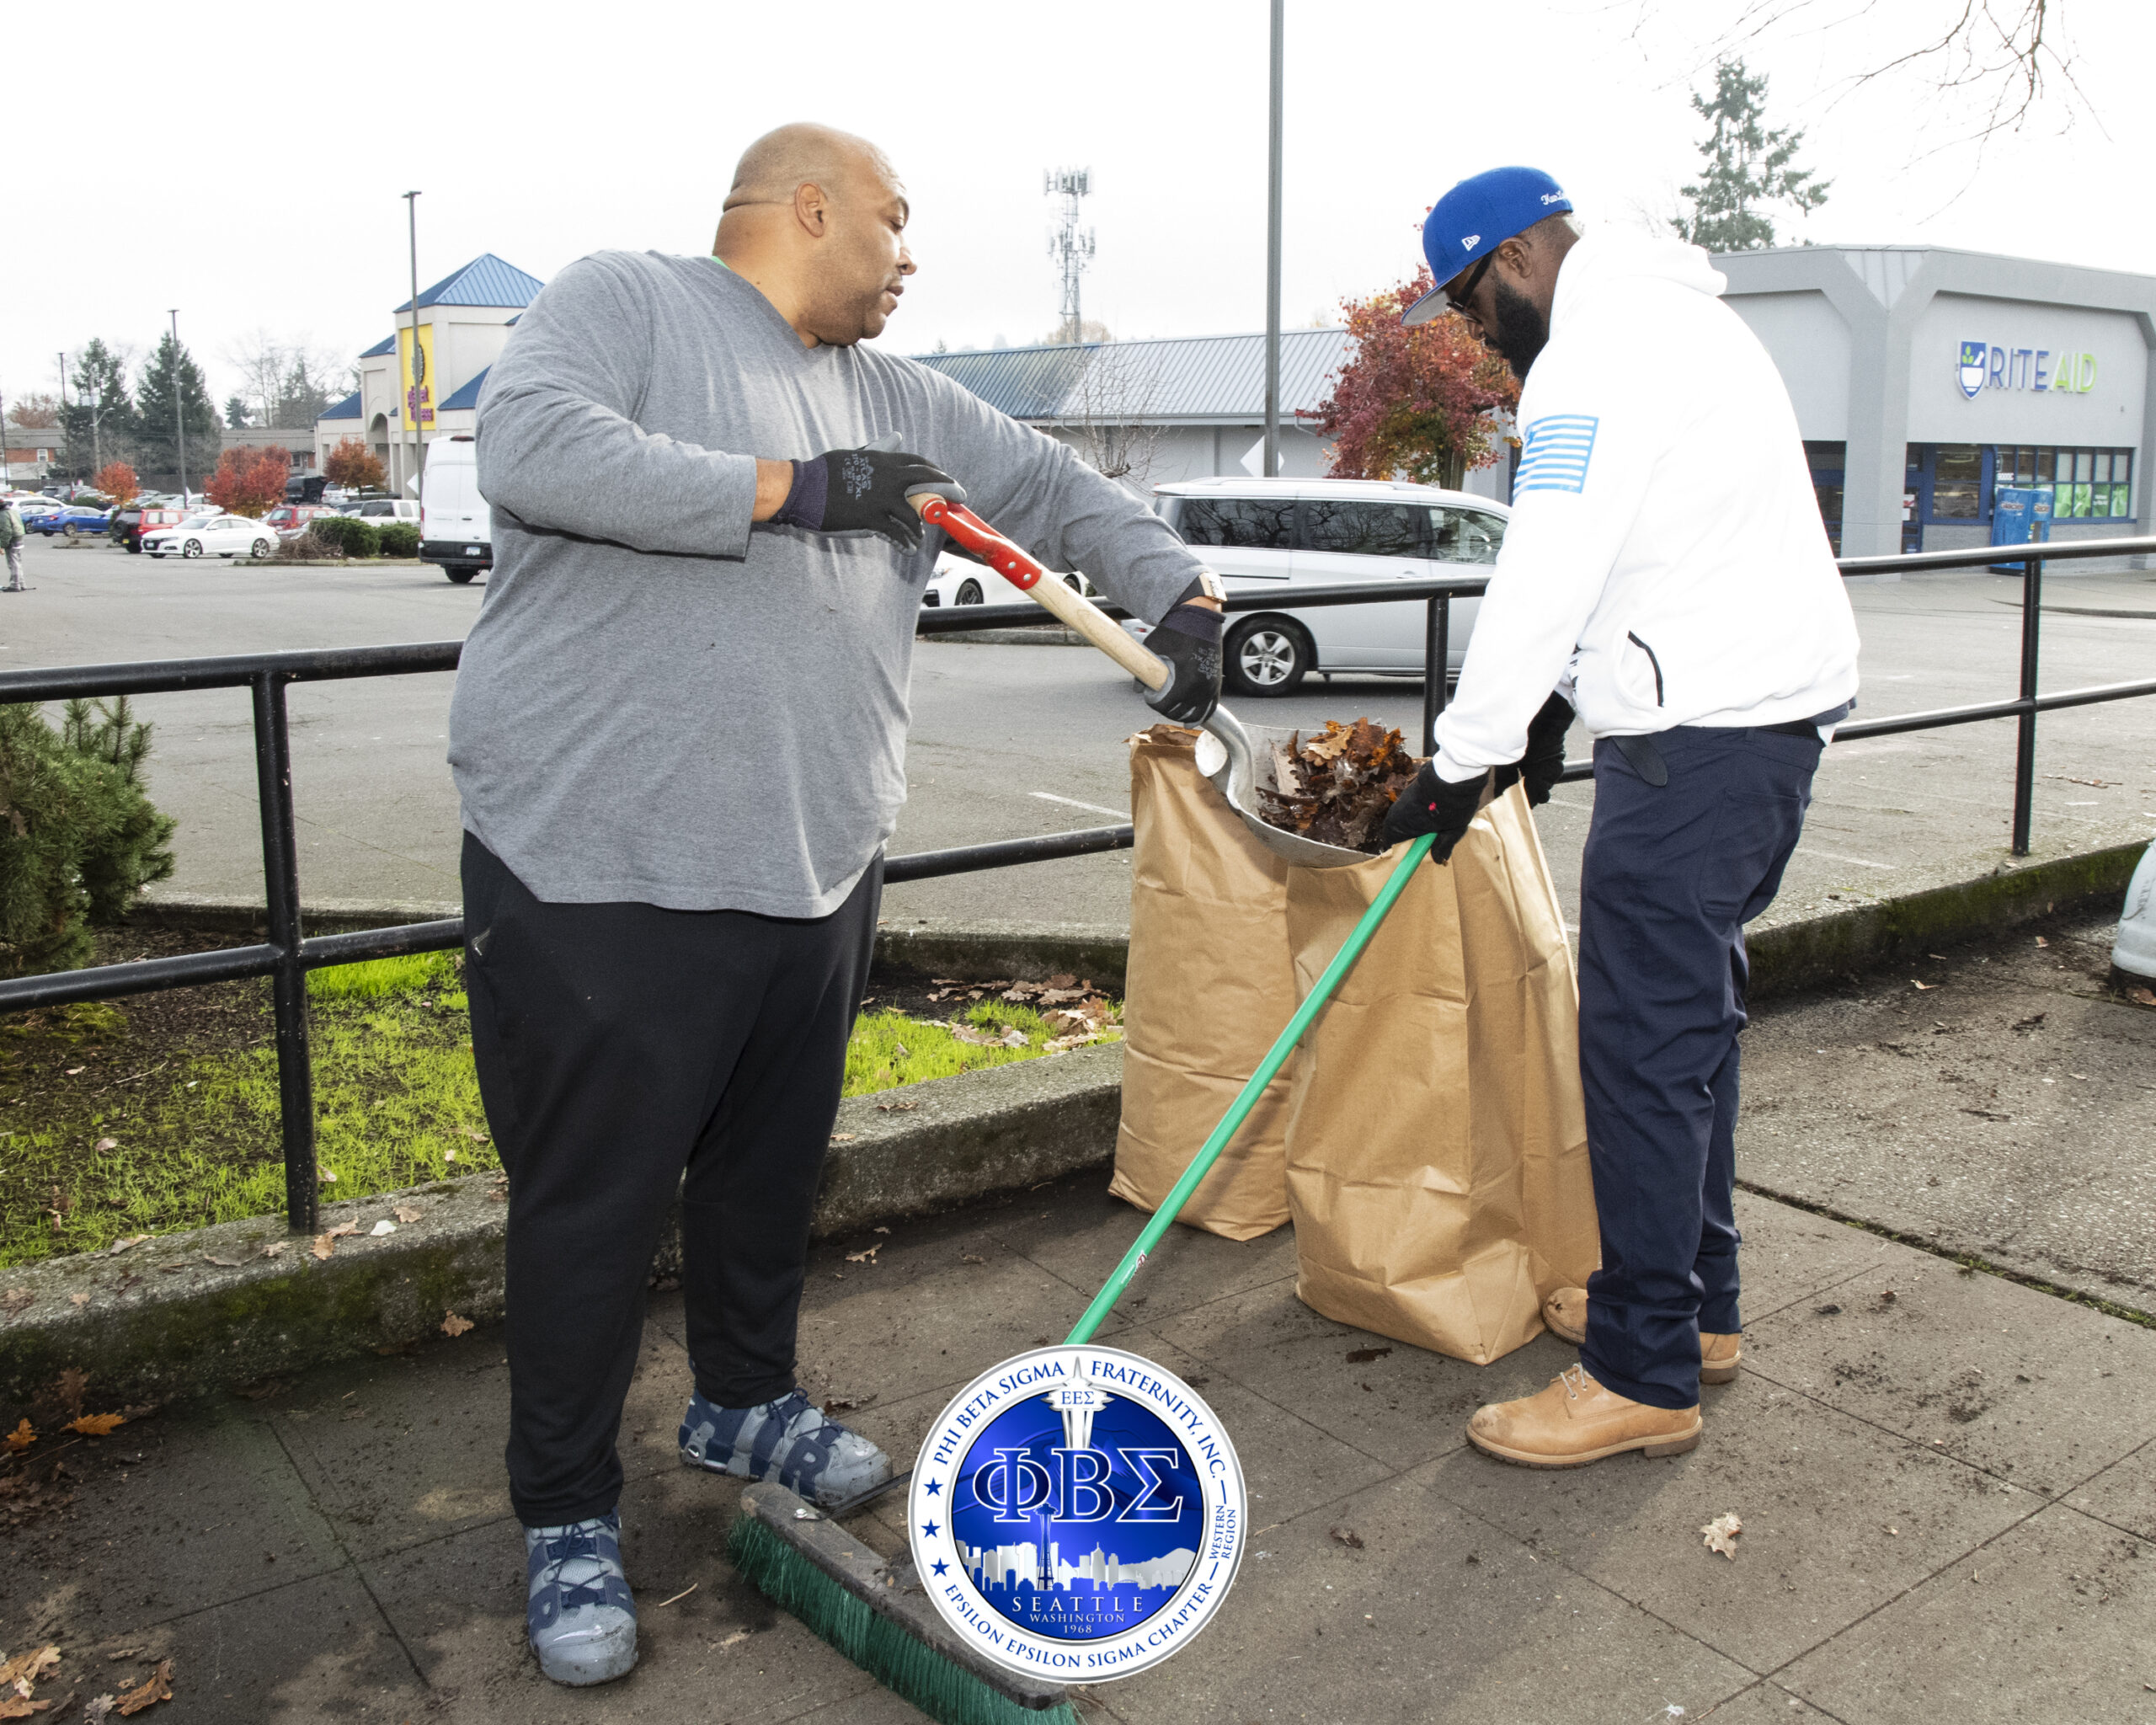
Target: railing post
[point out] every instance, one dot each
(273, 772)
(1437, 655)
(2024, 748)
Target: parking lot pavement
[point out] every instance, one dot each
(1944, 1479)
(1011, 740)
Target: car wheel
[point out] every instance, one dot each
(1267, 656)
(192, 548)
(968, 593)
(259, 548)
(72, 536)
(133, 549)
(460, 576)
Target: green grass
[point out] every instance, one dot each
(397, 1104)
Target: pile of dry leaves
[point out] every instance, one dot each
(1073, 1012)
(1336, 788)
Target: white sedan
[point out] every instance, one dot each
(958, 582)
(222, 536)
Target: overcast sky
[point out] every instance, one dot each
(247, 165)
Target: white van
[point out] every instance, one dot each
(1273, 536)
(455, 532)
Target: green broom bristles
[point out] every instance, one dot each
(941, 1688)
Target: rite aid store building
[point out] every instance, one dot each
(1928, 382)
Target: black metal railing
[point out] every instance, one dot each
(289, 953)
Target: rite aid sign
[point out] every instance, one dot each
(1982, 366)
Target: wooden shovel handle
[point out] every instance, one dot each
(1070, 607)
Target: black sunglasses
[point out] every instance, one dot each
(1456, 297)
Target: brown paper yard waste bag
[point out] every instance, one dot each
(1437, 1145)
(1208, 986)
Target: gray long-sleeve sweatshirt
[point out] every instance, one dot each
(663, 703)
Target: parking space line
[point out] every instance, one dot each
(1051, 797)
(1837, 857)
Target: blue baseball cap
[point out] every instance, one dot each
(1475, 218)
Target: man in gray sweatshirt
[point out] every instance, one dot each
(679, 737)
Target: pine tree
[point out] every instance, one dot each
(235, 414)
(172, 375)
(79, 837)
(301, 397)
(109, 434)
(1747, 167)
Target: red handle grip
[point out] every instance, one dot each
(970, 531)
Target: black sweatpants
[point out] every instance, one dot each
(618, 1044)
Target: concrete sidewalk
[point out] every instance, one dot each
(1945, 1481)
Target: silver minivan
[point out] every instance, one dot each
(1273, 536)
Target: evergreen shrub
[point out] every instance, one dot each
(352, 537)
(399, 539)
(79, 837)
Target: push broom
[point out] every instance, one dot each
(872, 1610)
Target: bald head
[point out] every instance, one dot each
(816, 220)
(778, 163)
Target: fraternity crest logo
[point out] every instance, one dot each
(1975, 357)
(1077, 1514)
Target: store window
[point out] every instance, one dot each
(2085, 483)
(1828, 462)
(1957, 493)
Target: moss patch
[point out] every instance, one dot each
(146, 1115)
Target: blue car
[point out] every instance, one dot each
(72, 519)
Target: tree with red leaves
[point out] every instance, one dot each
(352, 465)
(249, 481)
(116, 481)
(1412, 403)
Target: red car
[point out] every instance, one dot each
(290, 520)
(131, 523)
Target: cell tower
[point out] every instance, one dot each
(1070, 246)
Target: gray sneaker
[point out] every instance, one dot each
(789, 1440)
(582, 1620)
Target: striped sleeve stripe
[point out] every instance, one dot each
(1555, 453)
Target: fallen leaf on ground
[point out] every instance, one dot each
(1348, 1537)
(328, 1177)
(733, 1639)
(841, 1137)
(2041, 942)
(452, 1325)
(106, 1144)
(449, 1156)
(71, 1070)
(1060, 980)
(408, 1213)
(15, 1300)
(78, 1300)
(155, 1688)
(1722, 1534)
(879, 1228)
(96, 1712)
(69, 1388)
(95, 1425)
(475, 1137)
(384, 1226)
(19, 1673)
(964, 1258)
(222, 1263)
(274, 1248)
(865, 1256)
(1926, 986)
(896, 1108)
(131, 1242)
(2141, 996)
(344, 1228)
(324, 1246)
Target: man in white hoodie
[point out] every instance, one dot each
(1666, 574)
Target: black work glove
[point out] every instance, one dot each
(864, 490)
(1436, 805)
(1187, 641)
(1544, 763)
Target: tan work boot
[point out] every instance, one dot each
(1565, 1311)
(1577, 1420)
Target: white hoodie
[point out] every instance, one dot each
(1665, 564)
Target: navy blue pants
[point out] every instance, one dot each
(1671, 875)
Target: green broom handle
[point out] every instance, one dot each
(1201, 1164)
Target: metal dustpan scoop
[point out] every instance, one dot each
(1227, 755)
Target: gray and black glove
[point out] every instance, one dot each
(864, 490)
(1435, 805)
(1187, 641)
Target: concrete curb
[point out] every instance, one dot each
(164, 1318)
(180, 1313)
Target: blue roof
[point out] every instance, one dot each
(387, 345)
(348, 408)
(467, 396)
(1185, 379)
(486, 280)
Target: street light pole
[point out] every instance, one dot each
(1272, 248)
(412, 394)
(179, 407)
(64, 441)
